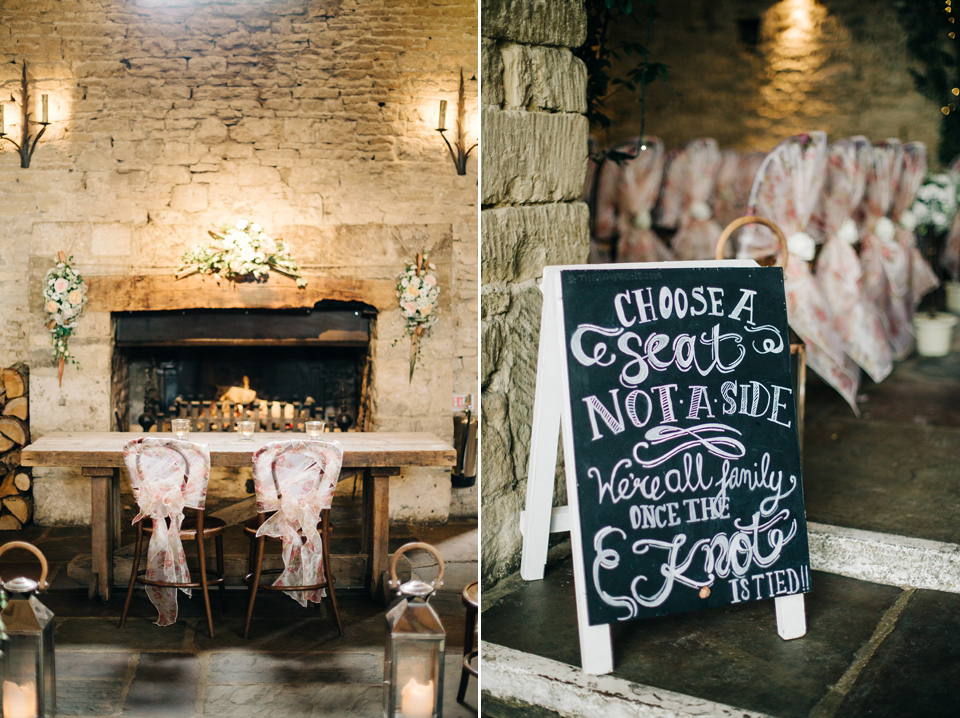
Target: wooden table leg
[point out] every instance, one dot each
(376, 525)
(103, 513)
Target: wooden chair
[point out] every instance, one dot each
(471, 601)
(294, 483)
(169, 476)
(796, 344)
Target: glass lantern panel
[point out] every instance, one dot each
(49, 671)
(21, 662)
(417, 677)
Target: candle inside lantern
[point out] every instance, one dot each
(442, 122)
(44, 107)
(19, 701)
(416, 700)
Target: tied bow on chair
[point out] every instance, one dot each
(300, 505)
(163, 502)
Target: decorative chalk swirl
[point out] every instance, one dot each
(725, 447)
(768, 345)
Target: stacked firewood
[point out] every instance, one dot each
(16, 497)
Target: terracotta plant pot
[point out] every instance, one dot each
(934, 333)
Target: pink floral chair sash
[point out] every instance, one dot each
(167, 475)
(636, 195)
(885, 265)
(838, 266)
(605, 209)
(786, 191)
(686, 192)
(950, 255)
(922, 278)
(297, 479)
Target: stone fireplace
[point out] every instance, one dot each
(289, 364)
(338, 342)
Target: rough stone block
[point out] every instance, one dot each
(548, 78)
(540, 157)
(110, 239)
(189, 198)
(519, 241)
(61, 498)
(535, 22)
(420, 494)
(491, 92)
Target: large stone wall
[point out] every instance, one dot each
(838, 66)
(534, 161)
(314, 117)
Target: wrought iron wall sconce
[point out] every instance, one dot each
(27, 144)
(459, 156)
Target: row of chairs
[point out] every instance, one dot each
(294, 482)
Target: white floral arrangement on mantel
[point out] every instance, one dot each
(64, 294)
(417, 292)
(241, 251)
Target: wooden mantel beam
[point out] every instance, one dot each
(164, 292)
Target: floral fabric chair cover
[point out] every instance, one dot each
(639, 185)
(950, 254)
(687, 187)
(605, 209)
(167, 476)
(886, 270)
(921, 277)
(296, 479)
(838, 266)
(786, 191)
(724, 200)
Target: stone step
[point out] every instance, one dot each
(885, 558)
(870, 650)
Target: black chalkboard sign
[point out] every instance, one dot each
(684, 439)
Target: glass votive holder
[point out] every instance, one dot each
(246, 429)
(314, 429)
(181, 427)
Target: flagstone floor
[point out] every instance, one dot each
(294, 663)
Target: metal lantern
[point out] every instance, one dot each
(413, 662)
(29, 677)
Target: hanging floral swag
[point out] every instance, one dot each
(241, 251)
(64, 294)
(417, 291)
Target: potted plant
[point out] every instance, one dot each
(932, 213)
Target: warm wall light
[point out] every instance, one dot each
(27, 144)
(459, 156)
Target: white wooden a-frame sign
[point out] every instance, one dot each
(552, 418)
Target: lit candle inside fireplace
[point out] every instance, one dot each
(19, 701)
(442, 122)
(44, 106)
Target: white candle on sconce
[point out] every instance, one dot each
(416, 700)
(442, 122)
(45, 107)
(2, 131)
(19, 701)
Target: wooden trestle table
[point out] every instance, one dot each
(99, 455)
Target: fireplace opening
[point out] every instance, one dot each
(280, 367)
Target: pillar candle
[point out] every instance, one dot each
(44, 104)
(442, 123)
(19, 701)
(416, 700)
